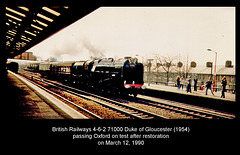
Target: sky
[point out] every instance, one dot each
(116, 32)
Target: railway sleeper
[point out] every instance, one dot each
(209, 117)
(150, 117)
(145, 116)
(139, 114)
(132, 111)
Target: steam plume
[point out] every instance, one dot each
(76, 48)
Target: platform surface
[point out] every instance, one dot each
(202, 93)
(27, 104)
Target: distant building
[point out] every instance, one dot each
(203, 73)
(159, 75)
(26, 56)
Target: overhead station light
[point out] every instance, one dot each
(12, 32)
(45, 17)
(23, 8)
(36, 32)
(9, 38)
(39, 28)
(30, 33)
(16, 12)
(41, 23)
(51, 11)
(13, 17)
(25, 39)
(66, 7)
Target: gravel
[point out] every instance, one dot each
(167, 113)
(96, 108)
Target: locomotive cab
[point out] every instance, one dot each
(133, 76)
(102, 75)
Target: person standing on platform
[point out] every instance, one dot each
(195, 83)
(178, 82)
(186, 83)
(224, 83)
(189, 80)
(209, 86)
(181, 82)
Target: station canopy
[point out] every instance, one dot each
(28, 25)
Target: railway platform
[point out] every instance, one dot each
(31, 102)
(198, 98)
(200, 93)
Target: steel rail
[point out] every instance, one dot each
(184, 108)
(66, 100)
(118, 106)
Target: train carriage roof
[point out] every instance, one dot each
(45, 63)
(23, 61)
(79, 63)
(66, 63)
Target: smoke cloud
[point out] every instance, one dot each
(93, 51)
(77, 49)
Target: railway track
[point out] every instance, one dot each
(128, 111)
(195, 111)
(79, 108)
(144, 107)
(172, 106)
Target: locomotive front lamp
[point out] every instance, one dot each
(127, 86)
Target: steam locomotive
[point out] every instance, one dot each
(123, 76)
